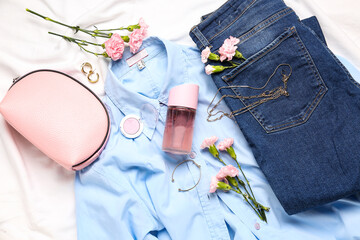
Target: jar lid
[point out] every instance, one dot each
(185, 95)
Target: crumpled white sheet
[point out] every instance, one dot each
(36, 194)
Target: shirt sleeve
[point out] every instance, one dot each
(109, 209)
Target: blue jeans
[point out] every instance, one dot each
(304, 124)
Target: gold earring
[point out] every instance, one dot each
(87, 66)
(172, 176)
(89, 77)
(84, 66)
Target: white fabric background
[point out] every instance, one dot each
(36, 195)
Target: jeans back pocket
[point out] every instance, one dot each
(284, 80)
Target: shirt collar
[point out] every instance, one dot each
(123, 83)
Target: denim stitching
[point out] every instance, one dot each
(204, 42)
(308, 58)
(336, 59)
(341, 65)
(345, 70)
(255, 113)
(266, 50)
(264, 24)
(305, 116)
(252, 111)
(240, 15)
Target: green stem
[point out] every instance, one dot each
(75, 40)
(75, 28)
(252, 198)
(234, 64)
(93, 33)
(107, 30)
(80, 43)
(247, 181)
(129, 28)
(86, 50)
(49, 19)
(239, 192)
(257, 204)
(218, 157)
(251, 195)
(231, 66)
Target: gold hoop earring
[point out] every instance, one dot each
(93, 80)
(87, 66)
(172, 175)
(84, 66)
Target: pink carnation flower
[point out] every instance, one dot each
(114, 47)
(208, 142)
(209, 69)
(227, 50)
(234, 40)
(213, 184)
(205, 54)
(136, 39)
(143, 27)
(225, 144)
(228, 170)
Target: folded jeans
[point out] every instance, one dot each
(306, 139)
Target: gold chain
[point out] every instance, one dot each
(266, 96)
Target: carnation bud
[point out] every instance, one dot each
(214, 151)
(239, 55)
(223, 186)
(214, 57)
(125, 38)
(132, 27)
(231, 152)
(232, 181)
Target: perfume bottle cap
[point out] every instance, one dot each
(185, 95)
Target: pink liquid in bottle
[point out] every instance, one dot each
(180, 118)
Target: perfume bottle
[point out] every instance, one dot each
(179, 126)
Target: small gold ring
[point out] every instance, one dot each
(86, 65)
(89, 77)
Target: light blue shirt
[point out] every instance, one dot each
(128, 193)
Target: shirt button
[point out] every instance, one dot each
(257, 226)
(192, 155)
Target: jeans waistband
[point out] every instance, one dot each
(245, 17)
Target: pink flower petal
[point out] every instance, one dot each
(213, 184)
(209, 69)
(205, 54)
(227, 50)
(208, 142)
(226, 171)
(143, 27)
(225, 144)
(114, 47)
(136, 38)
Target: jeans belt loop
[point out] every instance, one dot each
(201, 37)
